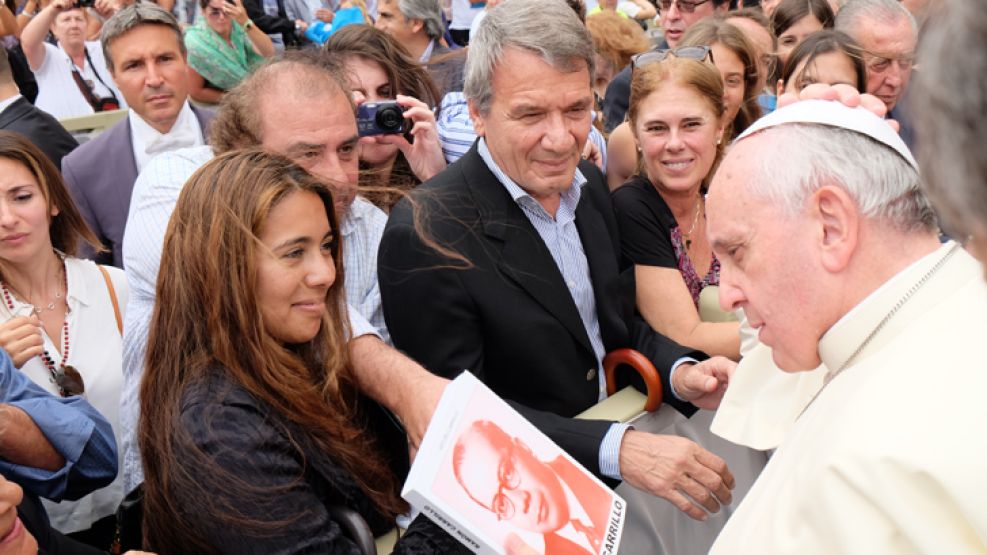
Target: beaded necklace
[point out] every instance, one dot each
(66, 377)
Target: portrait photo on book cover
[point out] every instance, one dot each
(507, 487)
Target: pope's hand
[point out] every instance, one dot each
(677, 470)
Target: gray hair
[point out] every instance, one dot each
(428, 11)
(548, 28)
(856, 13)
(135, 15)
(805, 157)
(949, 102)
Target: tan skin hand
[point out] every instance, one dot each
(21, 338)
(842, 93)
(705, 383)
(677, 470)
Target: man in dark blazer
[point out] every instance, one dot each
(17, 114)
(143, 47)
(506, 263)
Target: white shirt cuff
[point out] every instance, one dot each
(359, 325)
(610, 450)
(671, 383)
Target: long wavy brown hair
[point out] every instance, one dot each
(207, 318)
(406, 76)
(710, 31)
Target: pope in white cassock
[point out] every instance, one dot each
(831, 249)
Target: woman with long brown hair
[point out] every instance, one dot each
(251, 428)
(59, 315)
(676, 116)
(379, 68)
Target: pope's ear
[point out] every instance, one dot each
(838, 221)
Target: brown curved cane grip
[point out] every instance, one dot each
(639, 362)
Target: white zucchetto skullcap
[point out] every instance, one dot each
(835, 114)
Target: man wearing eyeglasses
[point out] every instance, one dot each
(888, 35)
(676, 16)
(553, 498)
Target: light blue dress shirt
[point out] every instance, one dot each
(73, 427)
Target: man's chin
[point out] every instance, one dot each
(792, 364)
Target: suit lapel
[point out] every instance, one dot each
(205, 121)
(13, 112)
(602, 264)
(524, 258)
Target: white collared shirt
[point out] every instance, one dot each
(148, 142)
(95, 351)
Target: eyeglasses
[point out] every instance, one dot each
(877, 63)
(509, 479)
(700, 53)
(685, 6)
(216, 12)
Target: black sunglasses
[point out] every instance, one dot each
(685, 6)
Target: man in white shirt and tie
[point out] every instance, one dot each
(145, 54)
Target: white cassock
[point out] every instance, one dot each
(891, 457)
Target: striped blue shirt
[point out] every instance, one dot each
(562, 239)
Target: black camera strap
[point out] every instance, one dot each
(87, 91)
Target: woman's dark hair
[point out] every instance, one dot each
(824, 42)
(406, 76)
(789, 12)
(207, 319)
(66, 227)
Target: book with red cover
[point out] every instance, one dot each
(496, 483)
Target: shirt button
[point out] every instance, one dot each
(591, 374)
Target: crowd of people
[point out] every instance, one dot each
(228, 317)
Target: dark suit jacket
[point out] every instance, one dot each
(509, 318)
(290, 479)
(40, 127)
(100, 175)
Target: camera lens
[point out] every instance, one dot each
(390, 119)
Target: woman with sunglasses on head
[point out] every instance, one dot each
(379, 69)
(252, 429)
(827, 56)
(734, 56)
(224, 46)
(60, 316)
(794, 20)
(677, 116)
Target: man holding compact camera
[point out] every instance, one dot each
(73, 79)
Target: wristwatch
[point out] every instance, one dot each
(248, 25)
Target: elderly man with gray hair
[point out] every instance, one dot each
(506, 264)
(888, 34)
(418, 26)
(831, 249)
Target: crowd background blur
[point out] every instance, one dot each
(107, 108)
